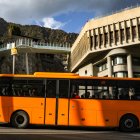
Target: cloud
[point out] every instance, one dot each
(26, 11)
(52, 23)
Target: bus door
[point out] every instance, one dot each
(56, 108)
(63, 102)
(50, 102)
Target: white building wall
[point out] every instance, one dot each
(103, 39)
(86, 70)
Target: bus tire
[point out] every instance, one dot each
(128, 123)
(20, 119)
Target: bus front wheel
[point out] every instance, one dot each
(128, 123)
(20, 119)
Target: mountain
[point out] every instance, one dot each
(37, 62)
(34, 31)
(3, 29)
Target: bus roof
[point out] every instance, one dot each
(43, 75)
(63, 76)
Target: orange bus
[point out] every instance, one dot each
(67, 99)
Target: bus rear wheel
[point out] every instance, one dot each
(20, 119)
(128, 123)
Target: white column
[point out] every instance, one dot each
(14, 61)
(89, 39)
(129, 65)
(109, 63)
(91, 69)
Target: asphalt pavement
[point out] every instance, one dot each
(64, 133)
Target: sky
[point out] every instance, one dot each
(67, 15)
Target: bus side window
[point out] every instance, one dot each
(4, 91)
(87, 95)
(75, 92)
(123, 93)
(13, 91)
(132, 93)
(35, 88)
(63, 88)
(51, 88)
(34, 92)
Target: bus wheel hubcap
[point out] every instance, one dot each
(128, 123)
(19, 119)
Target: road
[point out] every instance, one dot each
(59, 133)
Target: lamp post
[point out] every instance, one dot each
(14, 53)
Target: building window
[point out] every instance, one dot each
(101, 39)
(85, 72)
(128, 33)
(136, 74)
(91, 41)
(136, 61)
(51, 88)
(117, 36)
(102, 67)
(96, 40)
(119, 60)
(121, 74)
(139, 29)
(111, 37)
(106, 38)
(134, 32)
(122, 34)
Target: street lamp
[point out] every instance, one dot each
(14, 53)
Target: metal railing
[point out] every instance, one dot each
(29, 43)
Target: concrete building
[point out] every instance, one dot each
(109, 46)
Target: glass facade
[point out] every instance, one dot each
(119, 60)
(121, 74)
(103, 66)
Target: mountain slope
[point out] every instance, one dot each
(37, 62)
